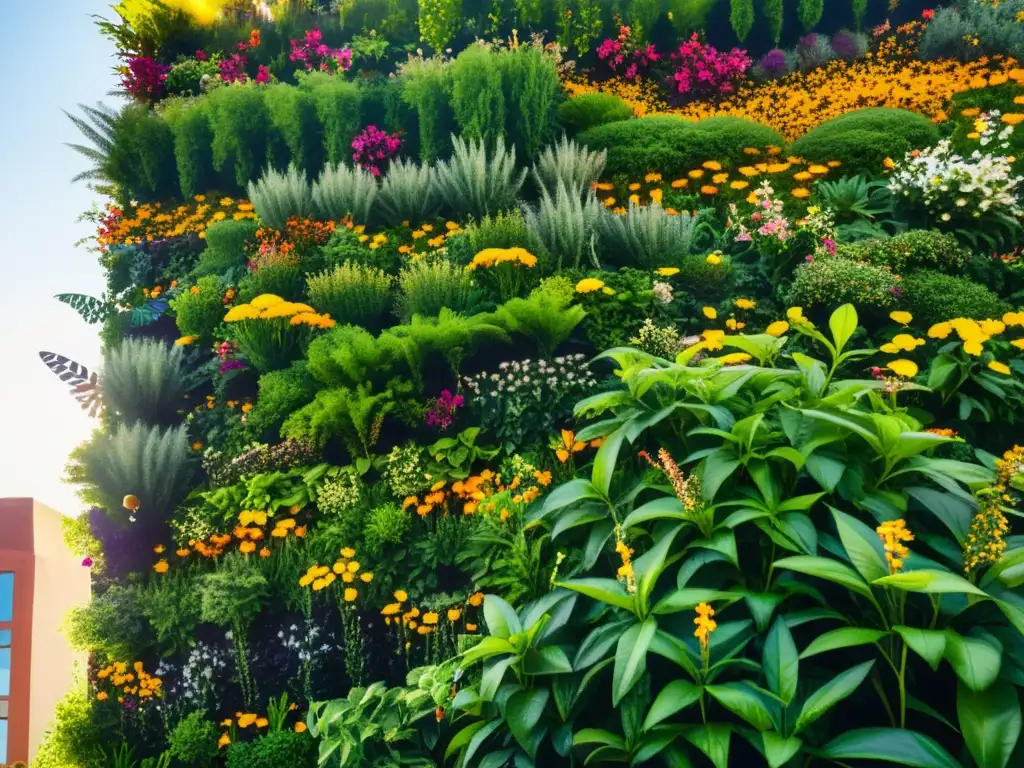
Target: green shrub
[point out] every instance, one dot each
(833, 281)
(914, 249)
(477, 182)
(186, 77)
(297, 136)
(862, 139)
(533, 91)
(590, 110)
(352, 293)
(199, 312)
(672, 146)
(189, 122)
(112, 623)
(77, 736)
(143, 380)
(147, 462)
(338, 108)
(280, 393)
(344, 191)
(385, 524)
(564, 227)
(426, 84)
(141, 159)
(505, 230)
(477, 98)
(277, 749)
(277, 197)
(698, 276)
(194, 740)
(240, 124)
(570, 164)
(344, 246)
(933, 297)
(426, 288)
(408, 192)
(285, 280)
(227, 246)
(646, 236)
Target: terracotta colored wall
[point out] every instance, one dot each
(60, 584)
(16, 557)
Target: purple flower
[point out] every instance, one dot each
(844, 45)
(774, 63)
(87, 562)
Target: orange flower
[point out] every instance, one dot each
(568, 446)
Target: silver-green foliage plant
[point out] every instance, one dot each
(352, 293)
(343, 191)
(147, 462)
(563, 226)
(571, 164)
(479, 183)
(277, 196)
(408, 192)
(647, 235)
(142, 380)
(427, 288)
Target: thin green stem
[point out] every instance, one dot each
(877, 683)
(903, 687)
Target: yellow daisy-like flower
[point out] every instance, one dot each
(589, 285)
(285, 309)
(777, 328)
(748, 170)
(803, 176)
(708, 189)
(668, 271)
(940, 330)
(720, 178)
(266, 300)
(903, 318)
(801, 193)
(710, 313)
(745, 304)
(818, 170)
(696, 173)
(712, 165)
(739, 184)
(241, 312)
(905, 368)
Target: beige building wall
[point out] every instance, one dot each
(61, 582)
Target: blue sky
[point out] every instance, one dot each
(50, 61)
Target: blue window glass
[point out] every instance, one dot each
(6, 597)
(3, 741)
(5, 673)
(5, 637)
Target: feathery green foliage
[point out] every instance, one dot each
(239, 121)
(339, 110)
(142, 379)
(563, 226)
(189, 120)
(344, 191)
(809, 12)
(505, 230)
(198, 313)
(98, 126)
(352, 293)
(477, 97)
(741, 17)
(150, 463)
(534, 89)
(477, 183)
(277, 196)
(428, 287)
(408, 192)
(545, 317)
(648, 236)
(571, 164)
(426, 84)
(227, 243)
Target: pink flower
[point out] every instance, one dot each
(87, 562)
(202, 55)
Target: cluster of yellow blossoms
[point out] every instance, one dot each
(986, 541)
(345, 568)
(412, 619)
(705, 626)
(473, 491)
(493, 257)
(270, 307)
(424, 235)
(625, 552)
(155, 221)
(893, 533)
(128, 682)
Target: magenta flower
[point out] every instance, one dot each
(87, 562)
(374, 147)
(144, 78)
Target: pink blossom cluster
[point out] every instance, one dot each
(442, 410)
(226, 351)
(313, 52)
(620, 50)
(767, 219)
(373, 147)
(703, 69)
(144, 78)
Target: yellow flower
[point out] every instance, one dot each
(745, 303)
(803, 176)
(777, 328)
(795, 313)
(708, 189)
(300, 727)
(241, 312)
(906, 342)
(430, 618)
(801, 193)
(905, 368)
(893, 533)
(350, 595)
(940, 331)
(695, 174)
(454, 614)
(973, 347)
(713, 339)
(903, 318)
(668, 271)
(712, 165)
(714, 259)
(705, 625)
(634, 186)
(998, 367)
(992, 327)
(710, 313)
(401, 595)
(161, 566)
(266, 300)
(734, 359)
(680, 183)
(589, 285)
(739, 184)
(720, 178)
(818, 170)
(652, 178)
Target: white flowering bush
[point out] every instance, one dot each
(975, 196)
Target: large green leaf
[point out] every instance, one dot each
(688, 599)
(522, 713)
(674, 697)
(713, 741)
(781, 662)
(990, 721)
(631, 658)
(649, 566)
(843, 324)
(862, 545)
(569, 493)
(604, 462)
(975, 661)
(824, 568)
(929, 644)
(664, 508)
(831, 693)
(891, 745)
(500, 617)
(844, 637)
(779, 750)
(606, 590)
(596, 645)
(744, 702)
(931, 582)
(718, 467)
